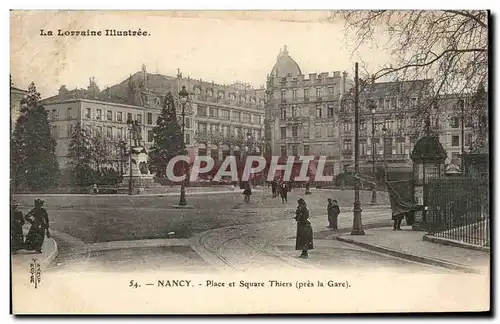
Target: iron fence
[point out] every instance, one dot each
(458, 209)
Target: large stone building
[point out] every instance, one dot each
(400, 108)
(302, 111)
(16, 97)
(220, 119)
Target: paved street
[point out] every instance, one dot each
(111, 218)
(123, 233)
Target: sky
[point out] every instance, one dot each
(223, 47)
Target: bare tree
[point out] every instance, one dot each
(448, 47)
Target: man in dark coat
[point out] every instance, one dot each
(308, 189)
(284, 192)
(16, 228)
(39, 220)
(247, 192)
(397, 221)
(333, 210)
(274, 186)
(304, 240)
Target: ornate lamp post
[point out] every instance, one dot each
(372, 107)
(130, 123)
(183, 98)
(249, 146)
(357, 226)
(384, 133)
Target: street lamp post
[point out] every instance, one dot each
(357, 226)
(384, 133)
(183, 98)
(250, 148)
(130, 123)
(374, 191)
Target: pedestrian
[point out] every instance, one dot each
(397, 221)
(39, 220)
(95, 190)
(274, 188)
(308, 189)
(247, 192)
(304, 240)
(284, 193)
(333, 210)
(16, 228)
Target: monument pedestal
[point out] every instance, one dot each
(137, 175)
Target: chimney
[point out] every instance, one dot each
(63, 91)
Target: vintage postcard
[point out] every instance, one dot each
(249, 162)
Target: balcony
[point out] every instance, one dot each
(387, 157)
(347, 153)
(319, 99)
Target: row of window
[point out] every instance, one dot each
(294, 111)
(306, 93)
(295, 132)
(295, 150)
(222, 95)
(400, 142)
(226, 114)
(380, 104)
(225, 130)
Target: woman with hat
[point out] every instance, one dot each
(16, 228)
(304, 240)
(39, 220)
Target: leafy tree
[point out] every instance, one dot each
(449, 47)
(167, 135)
(80, 153)
(480, 122)
(33, 146)
(99, 150)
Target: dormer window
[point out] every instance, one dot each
(210, 92)
(197, 90)
(221, 94)
(232, 96)
(252, 100)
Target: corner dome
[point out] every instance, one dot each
(428, 148)
(285, 65)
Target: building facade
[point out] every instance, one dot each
(220, 120)
(302, 112)
(16, 97)
(399, 108)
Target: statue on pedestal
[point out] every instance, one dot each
(136, 134)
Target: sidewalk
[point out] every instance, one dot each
(408, 244)
(22, 260)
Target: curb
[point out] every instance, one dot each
(411, 257)
(48, 260)
(444, 241)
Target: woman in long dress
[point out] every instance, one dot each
(304, 240)
(16, 228)
(39, 220)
